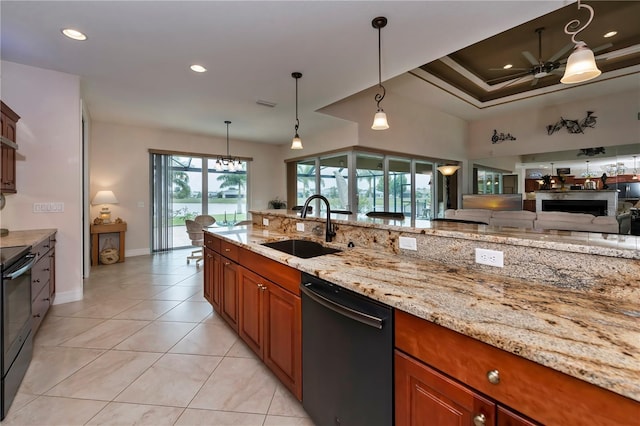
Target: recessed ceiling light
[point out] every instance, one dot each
(610, 34)
(506, 67)
(74, 34)
(198, 68)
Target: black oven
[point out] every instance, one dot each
(16, 339)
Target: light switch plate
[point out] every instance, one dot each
(300, 226)
(265, 221)
(408, 243)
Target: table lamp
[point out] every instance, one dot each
(104, 198)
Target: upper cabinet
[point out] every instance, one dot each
(8, 149)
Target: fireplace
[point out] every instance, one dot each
(594, 207)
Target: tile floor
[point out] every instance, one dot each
(144, 347)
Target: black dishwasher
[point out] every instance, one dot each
(347, 356)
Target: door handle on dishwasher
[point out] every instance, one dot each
(366, 319)
(23, 269)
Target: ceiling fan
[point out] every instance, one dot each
(540, 68)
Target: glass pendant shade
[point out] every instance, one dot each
(380, 121)
(448, 170)
(581, 66)
(296, 143)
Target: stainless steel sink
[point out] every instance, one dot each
(301, 248)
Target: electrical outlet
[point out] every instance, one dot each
(265, 221)
(490, 257)
(300, 226)
(48, 207)
(408, 243)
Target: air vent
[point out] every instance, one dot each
(266, 103)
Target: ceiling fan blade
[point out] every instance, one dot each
(530, 57)
(515, 80)
(601, 48)
(506, 77)
(560, 53)
(534, 81)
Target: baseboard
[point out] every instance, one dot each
(67, 296)
(137, 252)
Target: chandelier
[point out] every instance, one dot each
(227, 163)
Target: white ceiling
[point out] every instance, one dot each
(134, 67)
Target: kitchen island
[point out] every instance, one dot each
(584, 324)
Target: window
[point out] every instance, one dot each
(382, 182)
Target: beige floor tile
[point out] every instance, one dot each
(106, 335)
(198, 297)
(207, 339)
(173, 380)
(50, 365)
(55, 330)
(157, 336)
(287, 421)
(147, 310)
(106, 377)
(68, 309)
(176, 293)
(285, 404)
(117, 413)
(20, 400)
(107, 308)
(193, 417)
(241, 350)
(238, 384)
(213, 318)
(188, 312)
(54, 411)
(142, 291)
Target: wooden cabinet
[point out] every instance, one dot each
(270, 323)
(529, 205)
(42, 280)
(538, 392)
(426, 397)
(9, 120)
(260, 300)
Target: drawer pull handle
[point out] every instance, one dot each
(36, 316)
(46, 269)
(479, 420)
(227, 249)
(37, 280)
(46, 300)
(493, 376)
(227, 263)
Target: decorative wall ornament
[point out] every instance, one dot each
(501, 137)
(573, 126)
(590, 152)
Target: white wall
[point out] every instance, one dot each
(617, 124)
(49, 166)
(119, 161)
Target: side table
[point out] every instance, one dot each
(110, 228)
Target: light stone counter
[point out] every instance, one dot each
(29, 237)
(589, 333)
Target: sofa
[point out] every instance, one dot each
(541, 220)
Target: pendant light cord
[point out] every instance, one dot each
(379, 97)
(297, 121)
(227, 123)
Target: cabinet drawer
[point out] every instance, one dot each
(286, 277)
(43, 247)
(40, 275)
(230, 251)
(212, 242)
(539, 392)
(39, 308)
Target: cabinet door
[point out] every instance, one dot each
(250, 325)
(207, 290)
(427, 397)
(507, 417)
(8, 175)
(283, 337)
(229, 290)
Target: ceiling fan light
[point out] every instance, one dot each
(380, 121)
(296, 143)
(581, 66)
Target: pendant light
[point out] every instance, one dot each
(380, 119)
(635, 170)
(296, 143)
(227, 163)
(552, 179)
(581, 65)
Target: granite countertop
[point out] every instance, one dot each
(30, 237)
(584, 334)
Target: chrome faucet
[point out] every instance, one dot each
(330, 231)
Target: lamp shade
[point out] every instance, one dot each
(296, 143)
(581, 66)
(380, 121)
(104, 197)
(448, 170)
